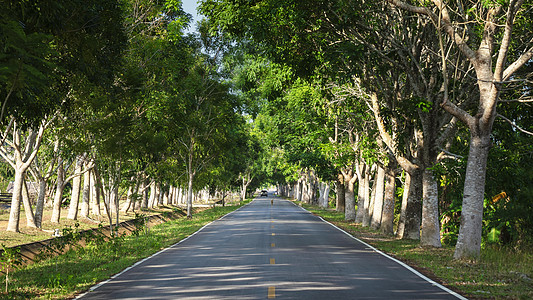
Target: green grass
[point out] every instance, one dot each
(74, 272)
(500, 272)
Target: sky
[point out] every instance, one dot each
(189, 6)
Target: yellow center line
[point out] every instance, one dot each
(271, 292)
(272, 261)
(272, 245)
(273, 233)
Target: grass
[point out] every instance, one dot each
(80, 268)
(500, 272)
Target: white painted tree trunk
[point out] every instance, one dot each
(430, 232)
(379, 187)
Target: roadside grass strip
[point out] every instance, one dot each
(85, 268)
(500, 272)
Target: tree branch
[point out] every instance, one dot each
(514, 125)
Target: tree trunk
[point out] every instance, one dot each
(30, 218)
(387, 218)
(21, 162)
(14, 214)
(153, 195)
(84, 209)
(366, 195)
(379, 187)
(340, 198)
(76, 186)
(409, 226)
(349, 194)
(95, 197)
(360, 169)
(39, 206)
(300, 190)
(430, 233)
(469, 239)
(189, 195)
(128, 203)
(244, 187)
(370, 209)
(58, 196)
(324, 194)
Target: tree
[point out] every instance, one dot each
(487, 42)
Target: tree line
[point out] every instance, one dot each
(414, 111)
(110, 99)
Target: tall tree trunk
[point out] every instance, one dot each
(409, 226)
(144, 189)
(340, 198)
(189, 195)
(387, 219)
(14, 214)
(379, 187)
(39, 206)
(325, 203)
(58, 196)
(30, 218)
(368, 198)
(95, 197)
(21, 163)
(430, 232)
(76, 186)
(469, 239)
(300, 190)
(360, 169)
(372, 202)
(369, 207)
(153, 195)
(349, 194)
(84, 209)
(129, 196)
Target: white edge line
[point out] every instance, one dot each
(94, 287)
(391, 258)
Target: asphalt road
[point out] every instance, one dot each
(269, 251)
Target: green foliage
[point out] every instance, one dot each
(10, 260)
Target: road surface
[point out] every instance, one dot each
(265, 251)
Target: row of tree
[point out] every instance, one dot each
(410, 92)
(114, 97)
